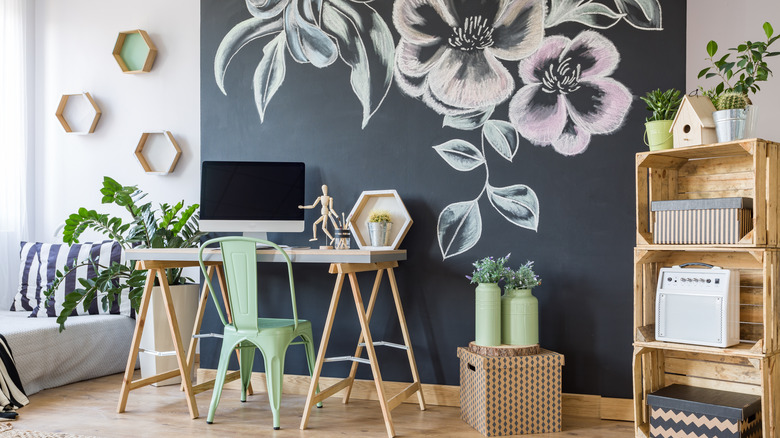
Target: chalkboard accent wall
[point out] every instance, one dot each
(505, 126)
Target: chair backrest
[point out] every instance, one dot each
(239, 259)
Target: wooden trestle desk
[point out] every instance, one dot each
(343, 263)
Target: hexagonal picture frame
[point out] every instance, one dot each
(134, 51)
(371, 200)
(78, 113)
(158, 152)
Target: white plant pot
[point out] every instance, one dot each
(157, 334)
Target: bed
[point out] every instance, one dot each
(91, 346)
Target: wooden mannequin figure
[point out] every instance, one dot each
(326, 211)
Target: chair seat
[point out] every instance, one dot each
(277, 327)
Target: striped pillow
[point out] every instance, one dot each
(26, 297)
(55, 257)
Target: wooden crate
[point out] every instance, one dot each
(656, 368)
(744, 168)
(759, 271)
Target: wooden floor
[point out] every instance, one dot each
(89, 408)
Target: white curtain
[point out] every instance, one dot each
(16, 79)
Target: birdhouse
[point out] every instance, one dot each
(693, 124)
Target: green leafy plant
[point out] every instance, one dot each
(379, 216)
(662, 104)
(742, 73)
(489, 270)
(522, 278)
(172, 226)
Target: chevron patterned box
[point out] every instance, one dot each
(680, 410)
(511, 395)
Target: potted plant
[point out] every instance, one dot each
(379, 224)
(734, 117)
(167, 227)
(487, 274)
(519, 308)
(663, 106)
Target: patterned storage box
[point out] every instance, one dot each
(511, 395)
(702, 221)
(680, 410)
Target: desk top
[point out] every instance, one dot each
(297, 255)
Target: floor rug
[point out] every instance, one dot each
(7, 431)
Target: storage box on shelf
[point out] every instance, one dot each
(744, 168)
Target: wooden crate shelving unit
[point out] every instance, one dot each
(747, 168)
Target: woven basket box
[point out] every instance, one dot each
(680, 410)
(511, 395)
(702, 221)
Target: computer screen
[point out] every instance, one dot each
(251, 196)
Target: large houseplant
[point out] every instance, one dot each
(663, 106)
(739, 75)
(169, 226)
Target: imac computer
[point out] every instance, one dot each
(251, 197)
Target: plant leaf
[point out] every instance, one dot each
(642, 14)
(365, 43)
(712, 48)
(269, 74)
(460, 154)
(239, 36)
(768, 30)
(459, 228)
(517, 203)
(468, 121)
(502, 136)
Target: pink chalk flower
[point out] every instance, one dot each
(568, 95)
(449, 50)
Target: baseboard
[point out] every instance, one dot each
(580, 405)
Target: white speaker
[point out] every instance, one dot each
(697, 306)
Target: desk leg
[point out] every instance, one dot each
(359, 349)
(140, 319)
(407, 341)
(177, 342)
(315, 376)
(380, 390)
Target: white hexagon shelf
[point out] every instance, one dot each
(158, 152)
(78, 113)
(134, 51)
(379, 200)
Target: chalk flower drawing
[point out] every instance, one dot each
(449, 51)
(568, 96)
(317, 33)
(642, 14)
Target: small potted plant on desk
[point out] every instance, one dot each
(735, 116)
(663, 105)
(379, 224)
(487, 274)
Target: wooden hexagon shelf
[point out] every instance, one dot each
(158, 152)
(78, 113)
(379, 200)
(135, 51)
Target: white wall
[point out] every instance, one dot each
(729, 23)
(74, 41)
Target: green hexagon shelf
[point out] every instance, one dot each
(134, 51)
(158, 152)
(78, 113)
(379, 200)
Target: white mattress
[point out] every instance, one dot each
(90, 346)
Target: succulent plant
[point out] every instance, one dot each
(663, 104)
(732, 100)
(379, 216)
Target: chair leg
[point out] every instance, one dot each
(309, 344)
(274, 375)
(224, 357)
(245, 367)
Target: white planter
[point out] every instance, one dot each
(157, 334)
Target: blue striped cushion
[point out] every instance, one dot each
(29, 282)
(55, 257)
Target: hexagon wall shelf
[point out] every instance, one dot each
(158, 152)
(135, 51)
(382, 200)
(78, 113)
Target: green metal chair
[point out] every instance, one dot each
(271, 336)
